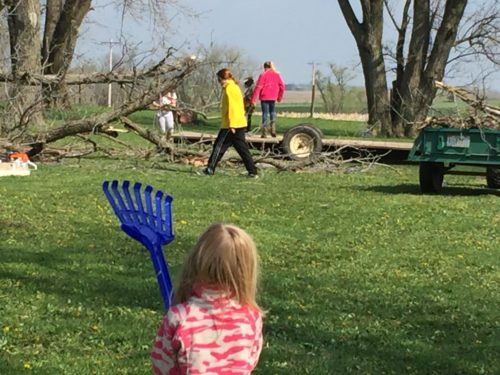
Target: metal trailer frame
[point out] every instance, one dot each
(439, 150)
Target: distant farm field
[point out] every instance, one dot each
(300, 102)
(292, 97)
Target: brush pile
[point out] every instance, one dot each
(479, 114)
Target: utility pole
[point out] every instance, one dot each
(110, 43)
(313, 87)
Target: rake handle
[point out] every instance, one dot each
(152, 242)
(162, 274)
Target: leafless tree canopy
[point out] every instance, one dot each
(38, 71)
(334, 88)
(430, 35)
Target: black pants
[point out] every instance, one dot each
(249, 120)
(227, 138)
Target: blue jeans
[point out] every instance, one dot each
(268, 110)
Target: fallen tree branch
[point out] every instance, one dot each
(155, 139)
(140, 131)
(141, 99)
(32, 79)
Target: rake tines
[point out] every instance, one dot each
(146, 221)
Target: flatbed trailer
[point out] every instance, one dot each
(303, 140)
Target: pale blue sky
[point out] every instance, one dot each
(292, 33)
(285, 31)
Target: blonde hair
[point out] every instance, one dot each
(225, 256)
(269, 65)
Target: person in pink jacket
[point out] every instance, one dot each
(269, 90)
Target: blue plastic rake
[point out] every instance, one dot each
(146, 221)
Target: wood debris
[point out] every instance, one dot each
(479, 114)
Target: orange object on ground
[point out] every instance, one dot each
(22, 156)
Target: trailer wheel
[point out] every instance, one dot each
(302, 141)
(493, 177)
(431, 177)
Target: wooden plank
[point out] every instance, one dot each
(367, 144)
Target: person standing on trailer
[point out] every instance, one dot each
(249, 107)
(233, 125)
(269, 90)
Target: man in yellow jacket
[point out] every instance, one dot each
(233, 126)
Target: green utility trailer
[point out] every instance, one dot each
(439, 150)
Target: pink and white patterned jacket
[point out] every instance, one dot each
(210, 334)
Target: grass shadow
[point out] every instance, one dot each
(108, 280)
(413, 189)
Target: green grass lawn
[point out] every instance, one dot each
(361, 274)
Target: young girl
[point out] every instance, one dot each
(268, 90)
(216, 327)
(164, 114)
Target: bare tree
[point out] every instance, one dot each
(60, 33)
(201, 89)
(62, 24)
(427, 39)
(478, 42)
(334, 92)
(41, 57)
(368, 36)
(23, 19)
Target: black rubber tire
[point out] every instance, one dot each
(431, 177)
(493, 177)
(302, 141)
(318, 130)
